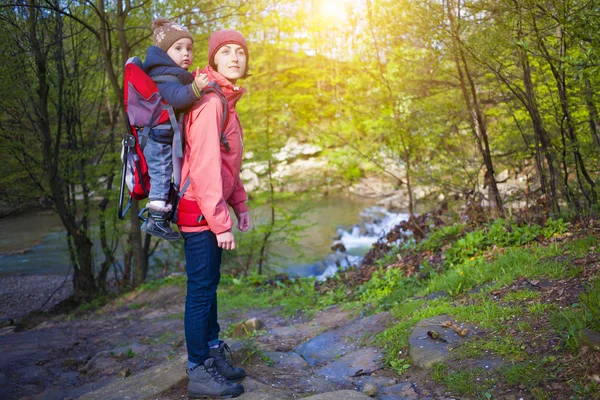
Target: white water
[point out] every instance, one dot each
(35, 243)
(377, 222)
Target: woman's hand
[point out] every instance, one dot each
(226, 241)
(243, 221)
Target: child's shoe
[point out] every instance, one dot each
(157, 224)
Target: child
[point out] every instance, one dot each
(172, 54)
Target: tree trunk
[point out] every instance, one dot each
(542, 139)
(83, 276)
(476, 116)
(592, 110)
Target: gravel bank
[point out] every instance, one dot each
(21, 294)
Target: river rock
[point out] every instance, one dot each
(318, 384)
(370, 389)
(286, 360)
(339, 395)
(244, 328)
(32, 374)
(345, 339)
(145, 385)
(261, 396)
(254, 390)
(363, 360)
(424, 351)
(102, 363)
(294, 149)
(401, 391)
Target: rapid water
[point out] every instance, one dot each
(35, 243)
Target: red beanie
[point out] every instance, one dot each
(220, 38)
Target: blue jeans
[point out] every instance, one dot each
(203, 268)
(160, 168)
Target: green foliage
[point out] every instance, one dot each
(528, 373)
(298, 296)
(438, 237)
(382, 284)
(467, 382)
(502, 346)
(156, 284)
(571, 320)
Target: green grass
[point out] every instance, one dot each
(159, 283)
(502, 346)
(581, 247)
(521, 295)
(569, 321)
(475, 381)
(298, 296)
(529, 373)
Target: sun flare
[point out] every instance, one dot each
(337, 10)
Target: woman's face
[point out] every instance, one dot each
(231, 61)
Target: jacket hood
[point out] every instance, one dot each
(232, 93)
(158, 62)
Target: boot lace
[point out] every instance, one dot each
(212, 371)
(222, 359)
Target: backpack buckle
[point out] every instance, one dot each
(129, 140)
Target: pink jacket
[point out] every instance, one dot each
(214, 172)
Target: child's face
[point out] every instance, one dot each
(231, 61)
(182, 53)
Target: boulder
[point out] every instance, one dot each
(286, 360)
(370, 389)
(244, 328)
(339, 395)
(404, 391)
(342, 370)
(425, 351)
(345, 339)
(147, 384)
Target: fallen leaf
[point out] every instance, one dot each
(463, 332)
(446, 324)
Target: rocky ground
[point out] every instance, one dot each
(19, 295)
(134, 348)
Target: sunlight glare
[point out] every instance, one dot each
(335, 10)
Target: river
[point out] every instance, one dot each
(35, 243)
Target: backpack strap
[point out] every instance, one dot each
(177, 141)
(213, 87)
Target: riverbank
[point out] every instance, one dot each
(20, 295)
(503, 310)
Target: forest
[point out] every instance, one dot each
(452, 96)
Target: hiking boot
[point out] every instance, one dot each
(230, 372)
(157, 224)
(205, 381)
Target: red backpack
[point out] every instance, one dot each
(147, 110)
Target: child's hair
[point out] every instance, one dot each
(165, 33)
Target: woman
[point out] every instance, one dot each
(213, 168)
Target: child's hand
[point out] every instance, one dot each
(201, 79)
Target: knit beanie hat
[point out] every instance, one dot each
(220, 38)
(166, 33)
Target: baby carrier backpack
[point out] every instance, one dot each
(147, 110)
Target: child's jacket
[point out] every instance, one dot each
(179, 95)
